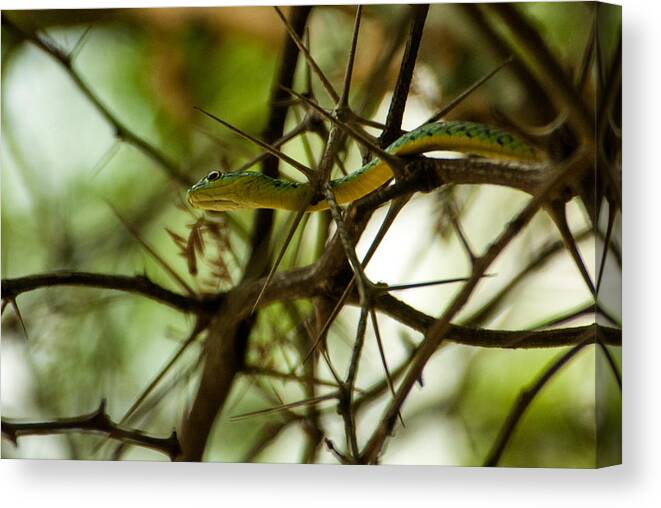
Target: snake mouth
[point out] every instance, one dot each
(207, 202)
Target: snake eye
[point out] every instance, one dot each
(213, 175)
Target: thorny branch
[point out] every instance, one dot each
(96, 422)
(139, 284)
(282, 289)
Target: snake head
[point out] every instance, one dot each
(214, 192)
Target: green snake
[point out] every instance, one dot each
(249, 189)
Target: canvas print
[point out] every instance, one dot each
(348, 234)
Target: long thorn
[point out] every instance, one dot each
(344, 99)
(280, 155)
(583, 69)
(105, 159)
(299, 129)
(157, 379)
(367, 122)
(169, 270)
(331, 318)
(20, 317)
(459, 98)
(79, 44)
(306, 53)
(284, 407)
(609, 231)
(377, 333)
(281, 254)
(611, 363)
(414, 285)
(460, 232)
(394, 162)
(557, 213)
(379, 342)
(308, 72)
(393, 210)
(154, 383)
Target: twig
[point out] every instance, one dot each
(273, 151)
(395, 163)
(308, 57)
(152, 252)
(490, 338)
(559, 216)
(343, 101)
(607, 240)
(537, 261)
(197, 329)
(121, 131)
(463, 95)
(382, 353)
(138, 284)
(285, 407)
(611, 363)
(98, 421)
(395, 207)
(345, 402)
(401, 90)
(267, 435)
(263, 371)
(525, 399)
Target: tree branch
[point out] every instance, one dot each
(488, 338)
(138, 284)
(97, 421)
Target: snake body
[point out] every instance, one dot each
(250, 189)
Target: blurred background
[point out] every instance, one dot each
(71, 185)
